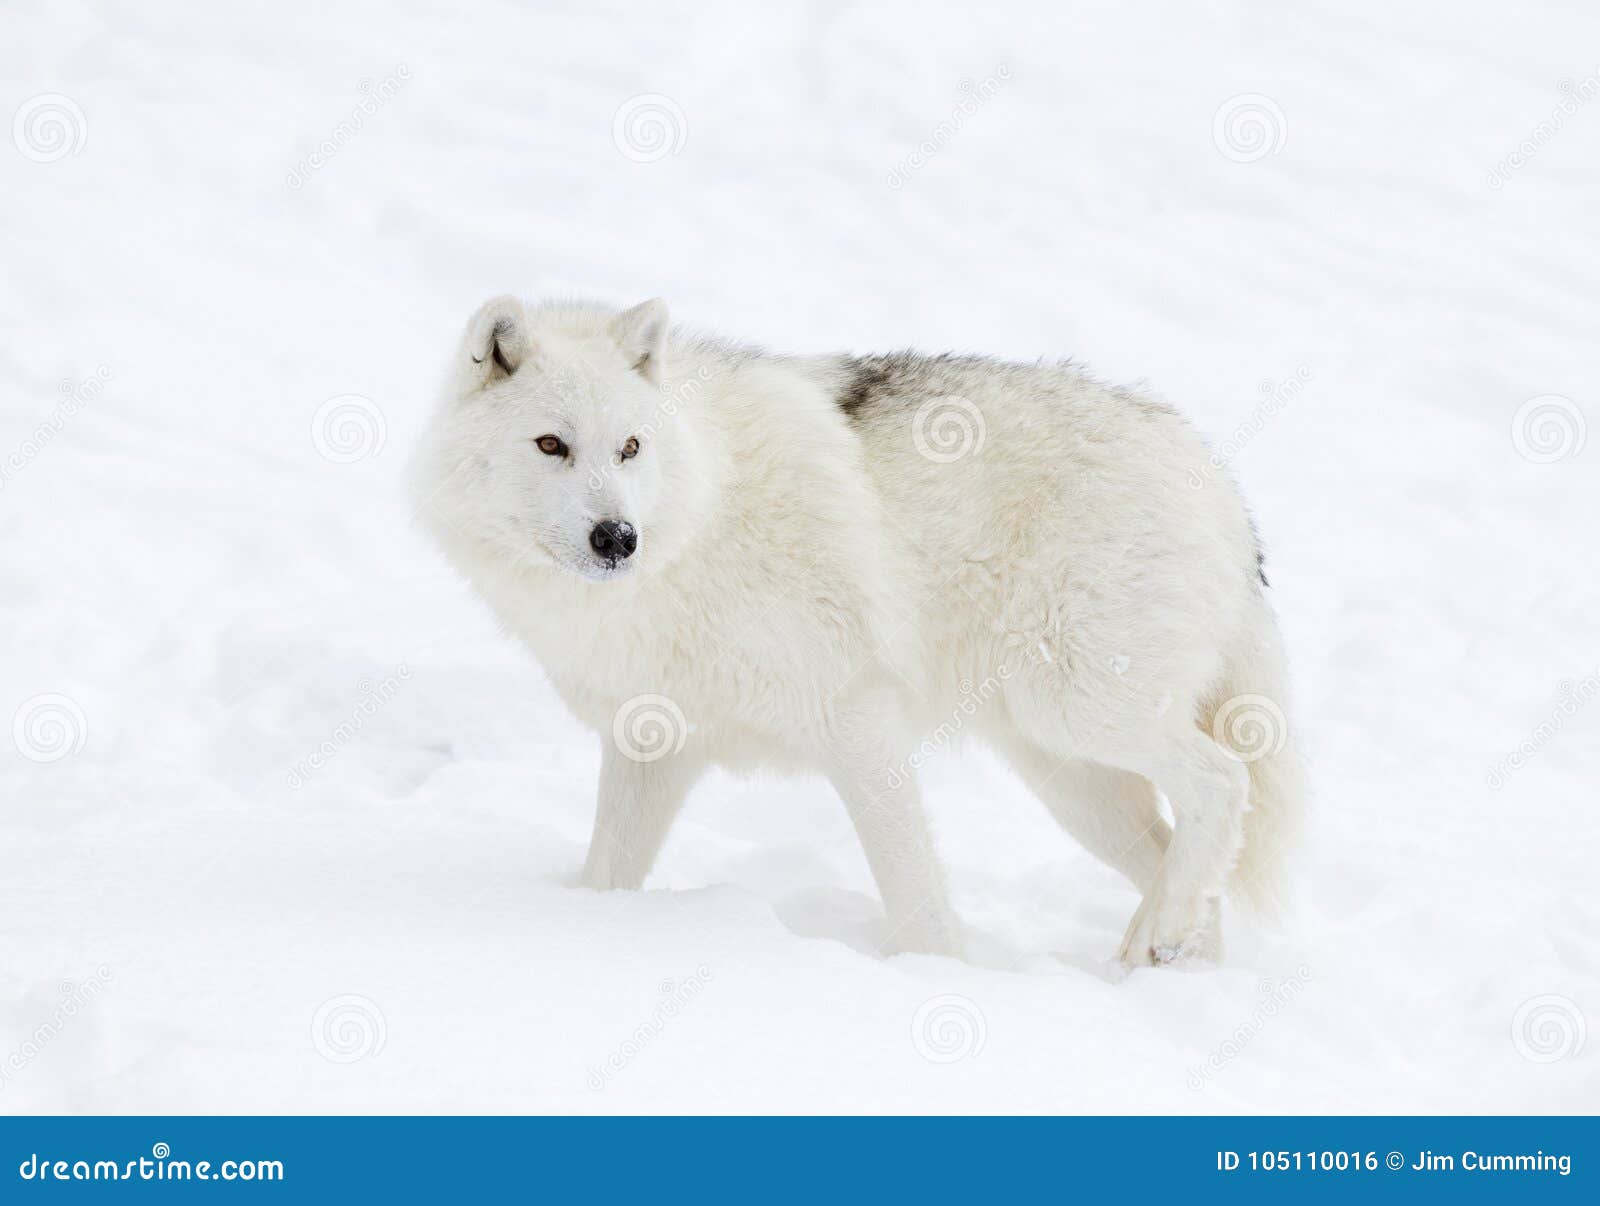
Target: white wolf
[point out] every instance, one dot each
(725, 557)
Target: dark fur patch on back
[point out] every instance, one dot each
(869, 381)
(864, 383)
(1261, 556)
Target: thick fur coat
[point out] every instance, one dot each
(725, 557)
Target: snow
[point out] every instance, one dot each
(295, 829)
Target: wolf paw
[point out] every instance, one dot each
(1162, 934)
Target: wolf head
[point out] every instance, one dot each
(558, 442)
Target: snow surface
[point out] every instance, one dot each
(213, 596)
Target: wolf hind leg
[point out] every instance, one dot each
(1208, 790)
(1112, 813)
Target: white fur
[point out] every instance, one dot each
(832, 592)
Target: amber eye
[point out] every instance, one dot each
(551, 445)
(631, 448)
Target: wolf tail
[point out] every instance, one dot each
(1250, 720)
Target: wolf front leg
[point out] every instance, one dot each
(865, 764)
(636, 806)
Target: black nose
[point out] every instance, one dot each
(613, 540)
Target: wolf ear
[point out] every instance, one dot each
(641, 333)
(497, 340)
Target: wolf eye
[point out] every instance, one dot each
(551, 445)
(631, 448)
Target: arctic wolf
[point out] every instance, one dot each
(726, 557)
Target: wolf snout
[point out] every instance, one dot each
(614, 539)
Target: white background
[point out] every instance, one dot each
(213, 596)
